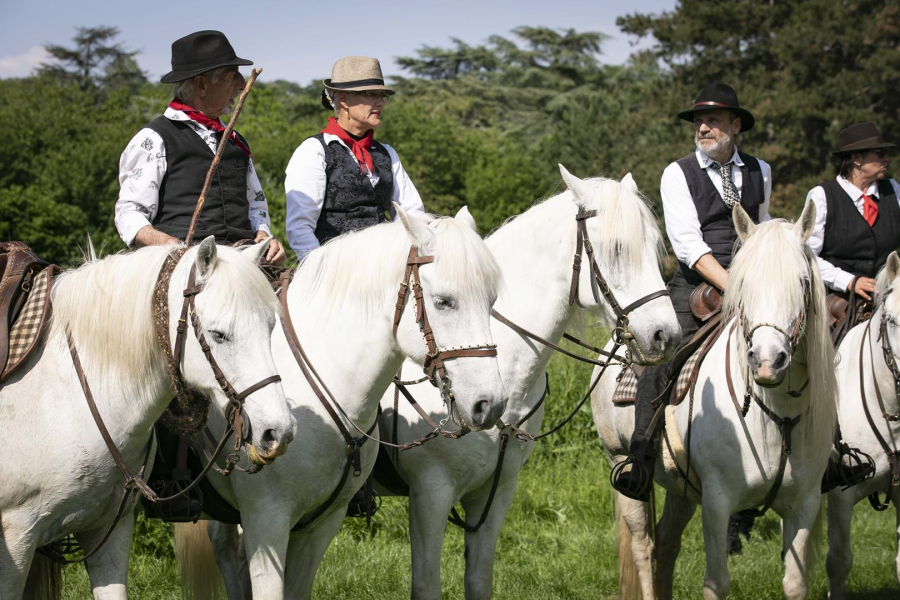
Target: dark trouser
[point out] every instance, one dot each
(652, 381)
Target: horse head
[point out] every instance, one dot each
(887, 299)
(452, 296)
(624, 240)
(235, 309)
(772, 289)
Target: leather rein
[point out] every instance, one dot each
(135, 484)
(893, 456)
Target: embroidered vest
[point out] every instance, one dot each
(716, 224)
(351, 202)
(226, 210)
(850, 244)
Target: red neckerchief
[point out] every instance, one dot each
(360, 148)
(870, 210)
(215, 124)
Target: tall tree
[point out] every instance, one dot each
(95, 62)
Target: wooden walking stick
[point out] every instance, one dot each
(215, 163)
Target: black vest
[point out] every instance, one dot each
(351, 202)
(850, 244)
(716, 224)
(226, 210)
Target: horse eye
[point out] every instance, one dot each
(218, 337)
(444, 303)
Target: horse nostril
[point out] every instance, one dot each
(270, 438)
(781, 361)
(752, 361)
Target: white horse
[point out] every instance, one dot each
(57, 476)
(862, 355)
(775, 300)
(342, 304)
(535, 251)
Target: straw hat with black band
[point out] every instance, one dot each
(354, 74)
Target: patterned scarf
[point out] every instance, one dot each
(360, 148)
(213, 124)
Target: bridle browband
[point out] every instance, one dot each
(434, 359)
(135, 484)
(621, 334)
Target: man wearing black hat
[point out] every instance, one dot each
(698, 194)
(857, 213)
(163, 168)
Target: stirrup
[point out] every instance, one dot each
(364, 503)
(857, 468)
(635, 482)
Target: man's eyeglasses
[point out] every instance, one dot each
(879, 153)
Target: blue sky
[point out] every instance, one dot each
(299, 41)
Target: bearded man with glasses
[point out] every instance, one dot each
(342, 179)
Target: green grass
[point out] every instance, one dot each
(558, 541)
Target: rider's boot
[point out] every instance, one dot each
(633, 477)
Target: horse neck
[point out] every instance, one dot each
(355, 355)
(535, 253)
(876, 370)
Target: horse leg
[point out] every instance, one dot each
(638, 525)
(305, 552)
(840, 555)
(18, 541)
(226, 543)
(801, 541)
(481, 546)
(430, 501)
(108, 567)
(266, 540)
(715, 516)
(677, 513)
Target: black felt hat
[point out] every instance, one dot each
(719, 96)
(860, 137)
(200, 52)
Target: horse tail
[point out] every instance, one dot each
(200, 579)
(629, 581)
(44, 579)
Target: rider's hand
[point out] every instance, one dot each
(275, 252)
(864, 286)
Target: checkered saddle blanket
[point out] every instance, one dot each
(24, 304)
(626, 390)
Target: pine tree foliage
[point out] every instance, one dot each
(94, 62)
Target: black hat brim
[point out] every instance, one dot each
(864, 148)
(747, 120)
(176, 76)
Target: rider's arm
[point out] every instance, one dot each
(304, 186)
(712, 271)
(832, 276)
(680, 214)
(142, 167)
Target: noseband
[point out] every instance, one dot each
(794, 337)
(621, 334)
(434, 359)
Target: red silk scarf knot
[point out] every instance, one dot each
(360, 148)
(213, 124)
(870, 210)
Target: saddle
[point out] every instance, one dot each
(706, 302)
(25, 282)
(846, 311)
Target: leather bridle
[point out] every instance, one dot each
(434, 359)
(621, 333)
(135, 484)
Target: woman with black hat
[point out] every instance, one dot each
(342, 179)
(857, 213)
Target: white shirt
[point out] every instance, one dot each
(835, 278)
(304, 186)
(142, 167)
(680, 213)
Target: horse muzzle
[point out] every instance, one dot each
(768, 371)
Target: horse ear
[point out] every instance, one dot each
(581, 193)
(207, 256)
(628, 183)
(893, 266)
(417, 228)
(256, 252)
(742, 222)
(466, 218)
(807, 221)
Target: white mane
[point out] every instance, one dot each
(773, 262)
(106, 305)
(363, 269)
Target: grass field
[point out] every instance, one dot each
(558, 542)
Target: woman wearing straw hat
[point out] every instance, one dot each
(342, 179)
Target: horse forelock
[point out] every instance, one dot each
(773, 268)
(363, 269)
